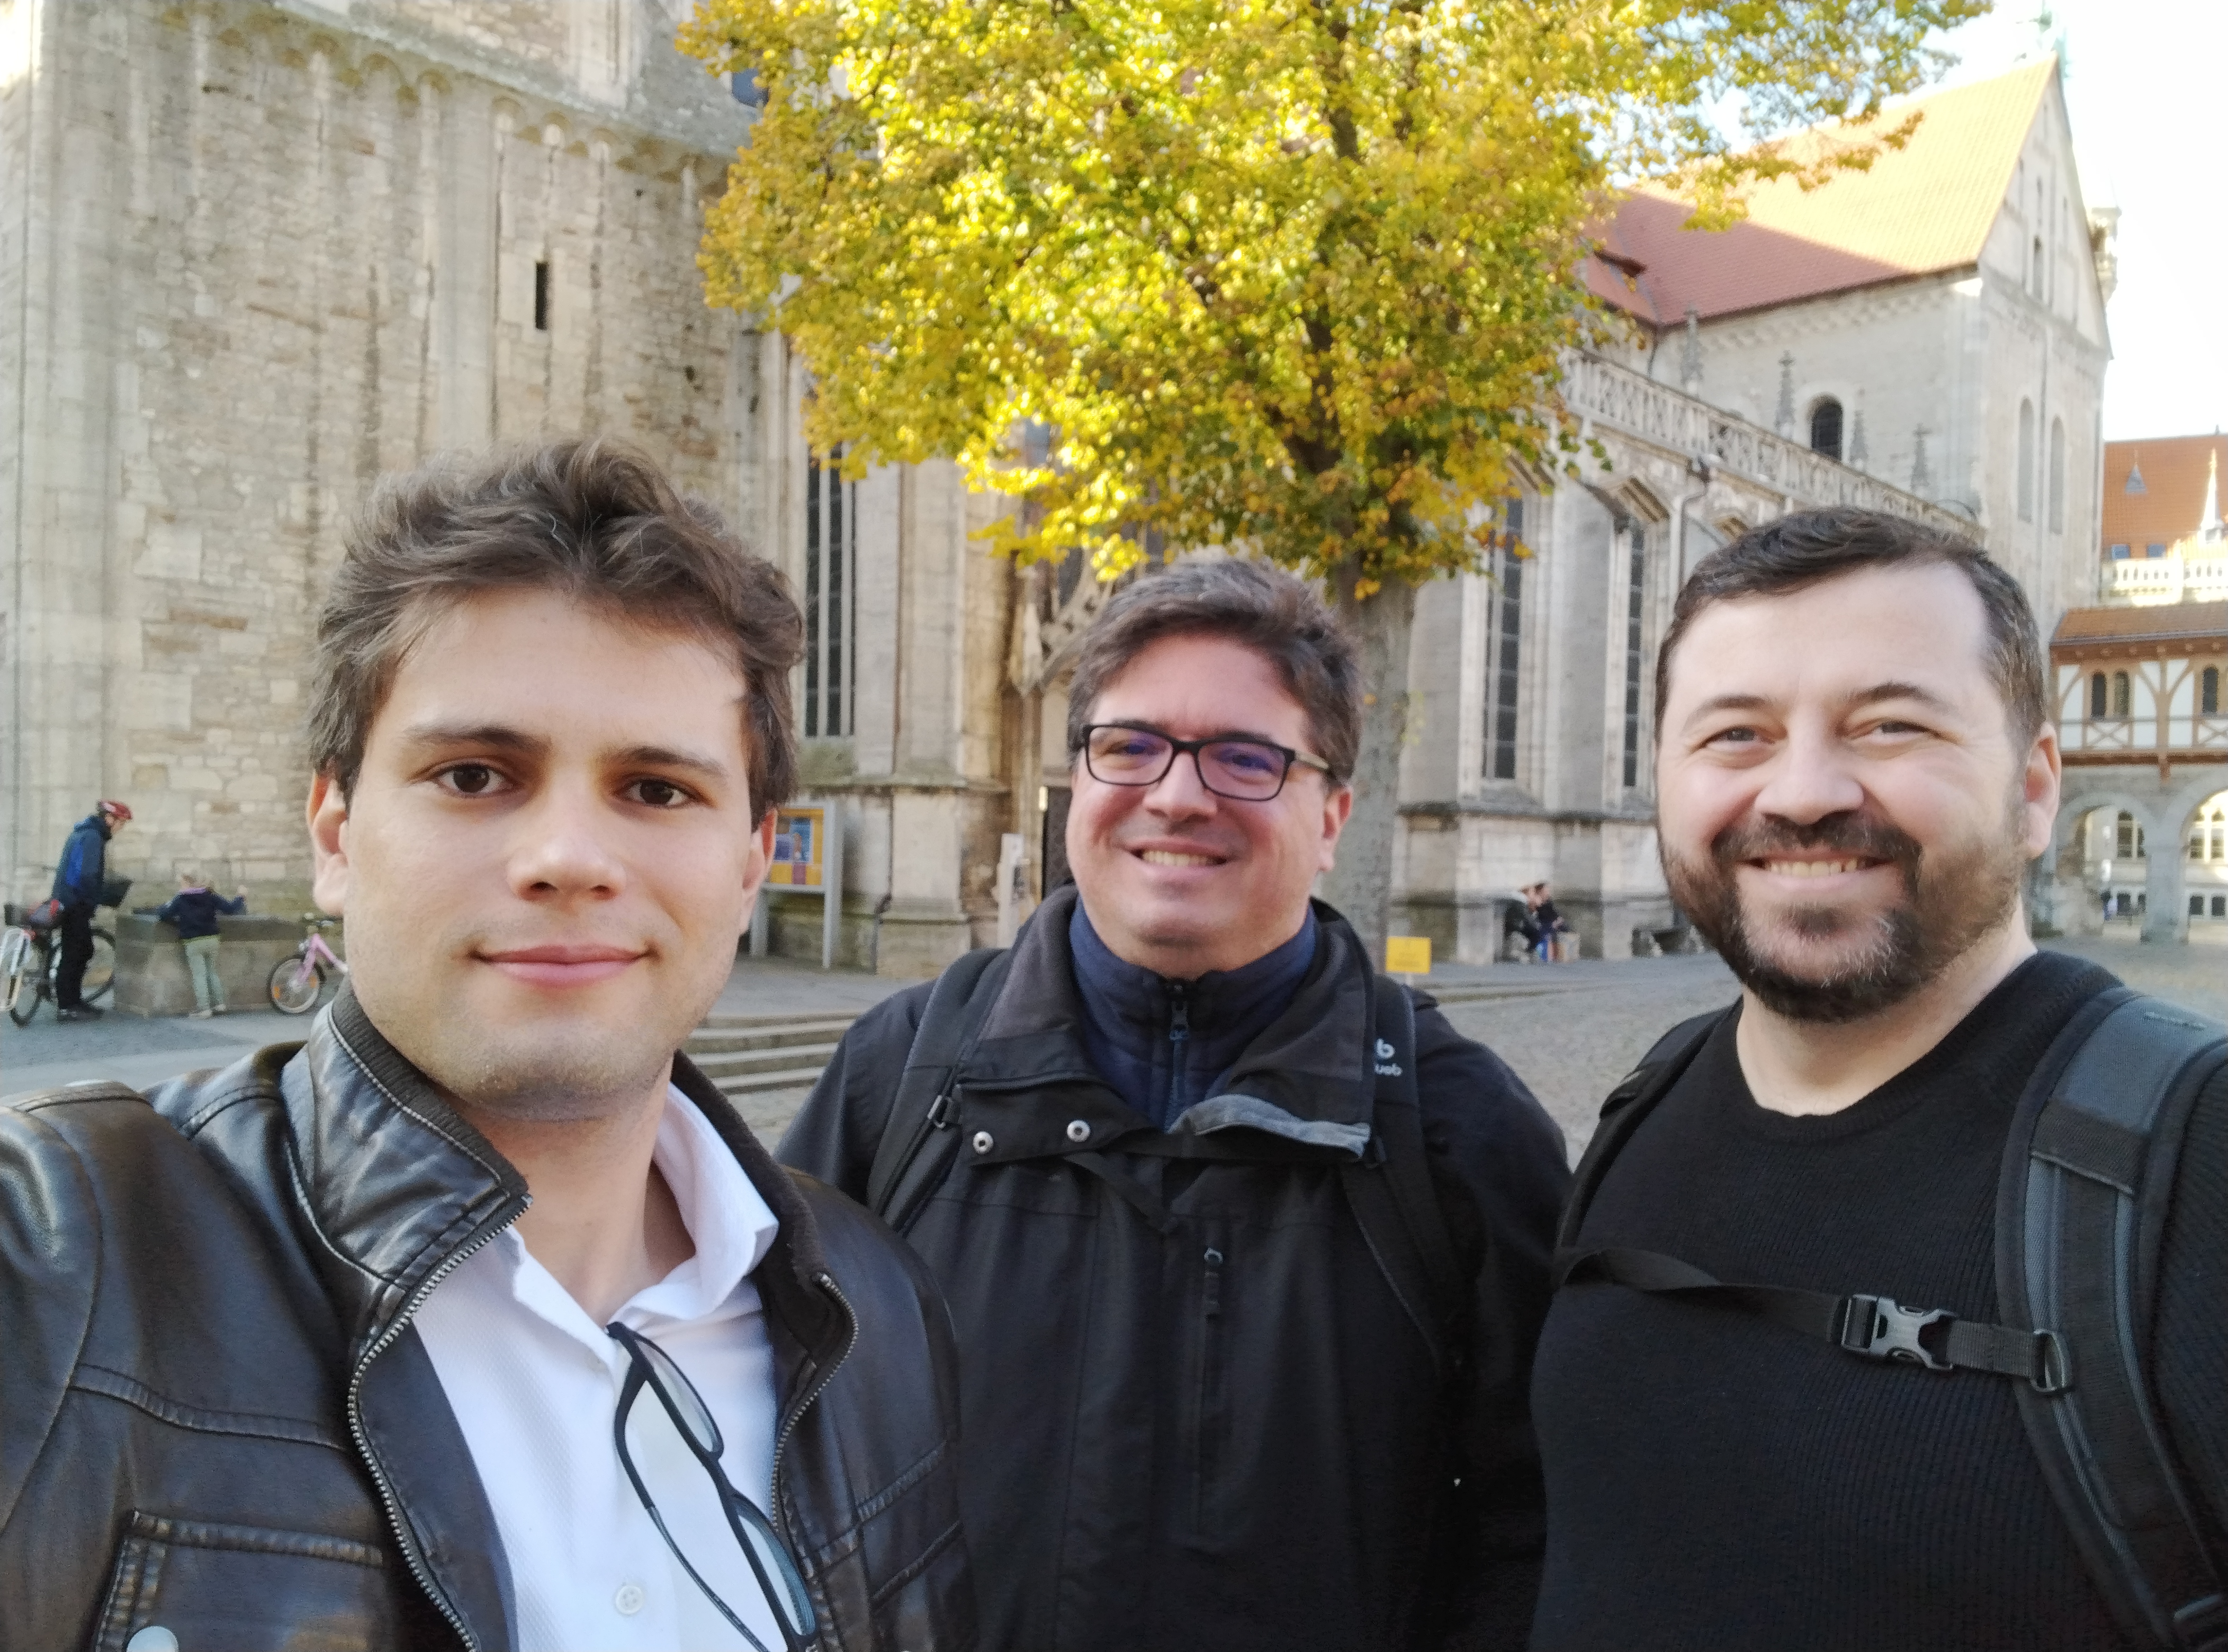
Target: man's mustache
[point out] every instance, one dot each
(1850, 834)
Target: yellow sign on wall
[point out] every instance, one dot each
(1407, 955)
(798, 849)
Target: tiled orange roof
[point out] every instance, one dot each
(2166, 623)
(2172, 502)
(1925, 208)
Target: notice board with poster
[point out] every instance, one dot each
(800, 850)
(807, 860)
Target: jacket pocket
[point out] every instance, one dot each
(220, 1588)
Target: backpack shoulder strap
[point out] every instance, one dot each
(1633, 1099)
(949, 1023)
(2088, 1172)
(1396, 1169)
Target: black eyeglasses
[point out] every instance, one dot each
(1248, 771)
(776, 1572)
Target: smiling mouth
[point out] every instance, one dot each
(562, 966)
(1815, 868)
(1169, 857)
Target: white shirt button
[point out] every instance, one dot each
(629, 1599)
(153, 1638)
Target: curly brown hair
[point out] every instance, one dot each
(589, 519)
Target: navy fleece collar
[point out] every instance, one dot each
(1164, 1046)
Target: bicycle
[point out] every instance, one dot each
(297, 982)
(30, 960)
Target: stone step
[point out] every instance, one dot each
(751, 1084)
(723, 1019)
(788, 1035)
(718, 1065)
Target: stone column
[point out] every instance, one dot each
(2166, 916)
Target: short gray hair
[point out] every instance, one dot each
(1277, 615)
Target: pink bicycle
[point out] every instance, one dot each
(297, 982)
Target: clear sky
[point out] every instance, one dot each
(2142, 87)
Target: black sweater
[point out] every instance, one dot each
(1715, 1481)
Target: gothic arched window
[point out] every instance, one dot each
(2026, 462)
(2121, 695)
(2097, 703)
(1825, 427)
(2057, 476)
(2208, 691)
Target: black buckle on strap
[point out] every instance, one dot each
(2053, 1374)
(1881, 1330)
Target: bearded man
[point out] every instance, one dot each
(1855, 768)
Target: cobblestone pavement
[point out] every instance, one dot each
(1587, 1025)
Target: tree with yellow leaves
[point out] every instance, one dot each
(1293, 276)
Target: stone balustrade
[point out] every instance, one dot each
(1635, 405)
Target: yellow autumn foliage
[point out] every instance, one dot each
(1289, 272)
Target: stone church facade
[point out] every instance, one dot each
(255, 255)
(263, 251)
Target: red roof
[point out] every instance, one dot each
(2171, 622)
(1919, 210)
(2171, 502)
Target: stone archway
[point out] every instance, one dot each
(2066, 890)
(2164, 805)
(2204, 854)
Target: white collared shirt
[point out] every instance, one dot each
(535, 1384)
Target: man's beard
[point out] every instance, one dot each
(1947, 905)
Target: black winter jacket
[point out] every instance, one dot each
(216, 1417)
(1227, 1433)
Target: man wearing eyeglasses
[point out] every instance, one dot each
(1246, 1250)
(480, 1320)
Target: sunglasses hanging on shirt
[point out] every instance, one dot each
(771, 1564)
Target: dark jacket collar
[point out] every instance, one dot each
(1129, 997)
(1163, 1045)
(401, 1187)
(1310, 1065)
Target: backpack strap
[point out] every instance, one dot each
(1633, 1099)
(2087, 1173)
(1874, 1326)
(950, 1024)
(1391, 1194)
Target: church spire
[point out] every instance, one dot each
(2209, 529)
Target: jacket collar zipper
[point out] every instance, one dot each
(812, 1390)
(1179, 1031)
(419, 1569)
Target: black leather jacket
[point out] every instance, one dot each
(215, 1415)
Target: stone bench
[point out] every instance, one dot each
(150, 963)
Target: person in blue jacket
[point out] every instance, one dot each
(194, 910)
(79, 881)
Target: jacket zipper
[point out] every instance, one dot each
(1179, 1030)
(1210, 1387)
(780, 1510)
(401, 1527)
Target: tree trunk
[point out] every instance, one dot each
(1360, 885)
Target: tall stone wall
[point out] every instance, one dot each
(264, 254)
